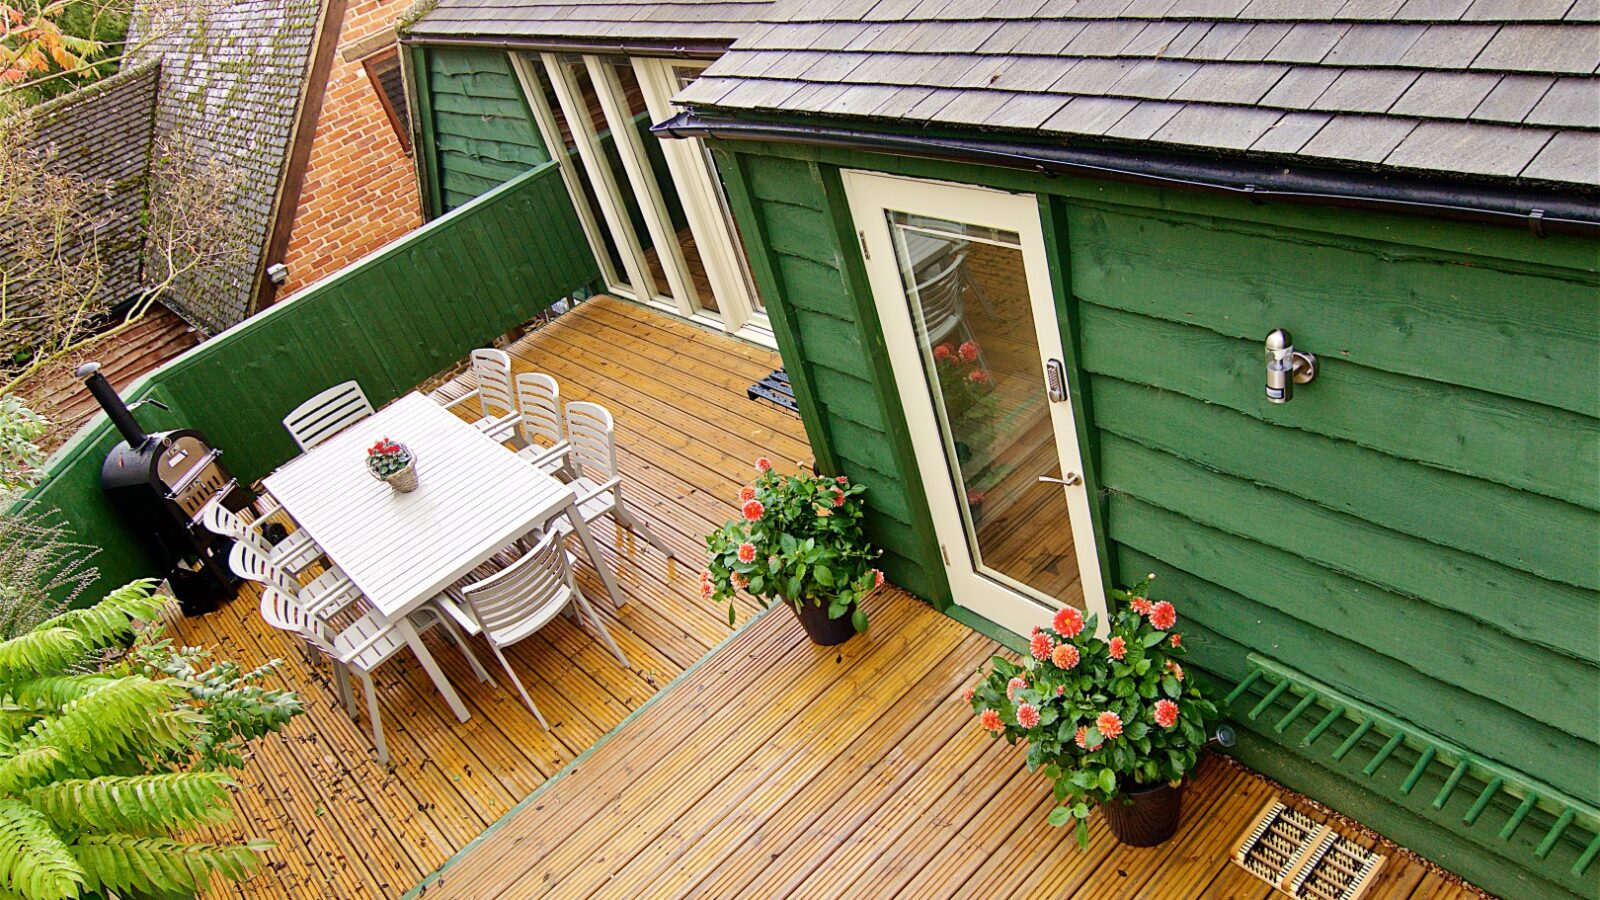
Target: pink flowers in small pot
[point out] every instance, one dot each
(1104, 715)
(798, 538)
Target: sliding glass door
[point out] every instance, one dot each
(654, 210)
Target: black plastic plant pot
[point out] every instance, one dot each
(1145, 815)
(823, 631)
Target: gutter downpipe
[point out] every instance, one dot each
(1540, 213)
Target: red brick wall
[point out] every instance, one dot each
(360, 189)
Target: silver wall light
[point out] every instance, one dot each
(1286, 367)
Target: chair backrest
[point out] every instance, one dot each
(251, 564)
(938, 295)
(539, 399)
(219, 519)
(283, 612)
(591, 432)
(537, 584)
(496, 394)
(327, 414)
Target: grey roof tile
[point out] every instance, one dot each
(1570, 101)
(1359, 138)
(1103, 38)
(1584, 11)
(1154, 38)
(1221, 9)
(1307, 42)
(1259, 42)
(859, 99)
(1448, 46)
(1026, 111)
(1300, 87)
(1368, 44)
(1144, 120)
(1089, 115)
(1154, 78)
(1233, 127)
(1541, 48)
(1499, 10)
(1291, 132)
(901, 102)
(1433, 9)
(1221, 83)
(1452, 95)
(1092, 76)
(1220, 40)
(1048, 38)
(1571, 156)
(1192, 35)
(1513, 98)
(1369, 9)
(1463, 147)
(1365, 90)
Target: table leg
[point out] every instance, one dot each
(431, 666)
(593, 549)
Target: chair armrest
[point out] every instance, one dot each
(598, 490)
(469, 395)
(500, 429)
(355, 652)
(538, 456)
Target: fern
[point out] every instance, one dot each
(139, 804)
(111, 620)
(89, 729)
(34, 861)
(43, 651)
(151, 865)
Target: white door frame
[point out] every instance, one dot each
(701, 199)
(871, 195)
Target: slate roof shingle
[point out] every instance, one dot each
(1501, 89)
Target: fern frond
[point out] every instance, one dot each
(112, 618)
(152, 865)
(43, 651)
(139, 804)
(34, 861)
(29, 765)
(56, 691)
(101, 729)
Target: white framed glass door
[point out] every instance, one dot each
(962, 289)
(652, 210)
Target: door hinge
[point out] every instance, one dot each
(862, 237)
(945, 552)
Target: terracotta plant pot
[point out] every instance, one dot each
(1145, 815)
(822, 630)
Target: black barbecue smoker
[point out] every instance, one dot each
(160, 483)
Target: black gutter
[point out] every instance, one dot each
(701, 49)
(1541, 212)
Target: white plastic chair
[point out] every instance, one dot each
(325, 596)
(497, 401)
(938, 296)
(540, 423)
(294, 553)
(591, 434)
(522, 598)
(327, 414)
(361, 647)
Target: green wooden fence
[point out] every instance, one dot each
(388, 321)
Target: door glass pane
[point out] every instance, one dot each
(967, 286)
(616, 271)
(632, 100)
(592, 116)
(685, 76)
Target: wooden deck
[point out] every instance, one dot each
(781, 769)
(348, 828)
(771, 769)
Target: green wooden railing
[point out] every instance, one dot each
(388, 321)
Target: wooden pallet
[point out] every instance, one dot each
(1303, 858)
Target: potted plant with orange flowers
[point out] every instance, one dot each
(1114, 722)
(798, 540)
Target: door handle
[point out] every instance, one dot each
(1070, 479)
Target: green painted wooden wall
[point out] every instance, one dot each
(389, 321)
(476, 129)
(1419, 527)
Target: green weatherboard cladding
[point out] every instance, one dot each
(475, 124)
(390, 321)
(1418, 528)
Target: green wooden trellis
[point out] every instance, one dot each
(1498, 779)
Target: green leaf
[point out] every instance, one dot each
(1060, 816)
(141, 803)
(1108, 781)
(859, 619)
(1171, 687)
(156, 865)
(824, 575)
(1154, 638)
(34, 861)
(1083, 834)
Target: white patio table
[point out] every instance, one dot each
(401, 549)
